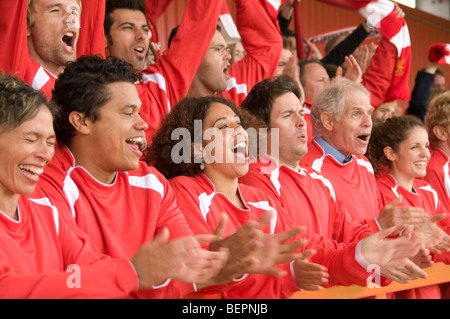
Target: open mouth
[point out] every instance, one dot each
(30, 171)
(139, 143)
(364, 138)
(240, 150)
(225, 70)
(69, 39)
(140, 50)
(421, 164)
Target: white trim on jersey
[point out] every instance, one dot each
(265, 206)
(435, 194)
(40, 79)
(44, 201)
(204, 203)
(71, 191)
(160, 80)
(149, 181)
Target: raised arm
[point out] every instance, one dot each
(13, 32)
(92, 35)
(180, 62)
(261, 39)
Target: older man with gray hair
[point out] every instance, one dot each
(342, 122)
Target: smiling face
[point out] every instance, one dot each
(411, 158)
(225, 143)
(287, 116)
(128, 38)
(53, 37)
(26, 150)
(212, 74)
(350, 132)
(116, 140)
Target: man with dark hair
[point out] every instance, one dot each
(127, 32)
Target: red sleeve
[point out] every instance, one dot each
(155, 8)
(98, 275)
(379, 74)
(445, 225)
(189, 205)
(117, 277)
(348, 230)
(179, 64)
(262, 41)
(438, 177)
(92, 34)
(342, 266)
(170, 214)
(13, 32)
(255, 178)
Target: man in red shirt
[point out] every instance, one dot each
(342, 124)
(38, 39)
(263, 44)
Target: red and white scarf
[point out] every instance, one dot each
(381, 14)
(227, 25)
(439, 53)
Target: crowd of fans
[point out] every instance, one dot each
(214, 169)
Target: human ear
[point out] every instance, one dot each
(79, 122)
(441, 133)
(389, 153)
(327, 121)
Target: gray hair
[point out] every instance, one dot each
(332, 100)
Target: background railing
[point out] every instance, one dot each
(438, 273)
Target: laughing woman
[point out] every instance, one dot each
(203, 147)
(398, 151)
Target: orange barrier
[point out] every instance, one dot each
(438, 273)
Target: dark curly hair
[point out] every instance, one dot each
(82, 87)
(390, 132)
(183, 116)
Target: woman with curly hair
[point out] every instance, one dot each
(398, 151)
(202, 147)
